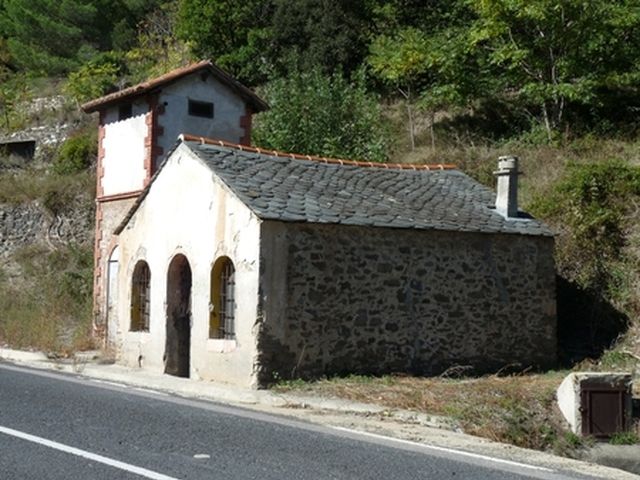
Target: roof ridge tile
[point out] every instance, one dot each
(185, 137)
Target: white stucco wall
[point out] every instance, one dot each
(189, 211)
(228, 107)
(124, 151)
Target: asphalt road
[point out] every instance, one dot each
(55, 426)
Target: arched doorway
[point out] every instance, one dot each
(178, 342)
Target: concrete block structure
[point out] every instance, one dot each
(242, 265)
(596, 403)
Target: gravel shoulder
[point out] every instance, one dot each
(363, 417)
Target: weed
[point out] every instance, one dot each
(54, 191)
(624, 438)
(515, 409)
(616, 360)
(568, 443)
(49, 308)
(77, 153)
(295, 384)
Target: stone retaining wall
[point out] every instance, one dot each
(26, 224)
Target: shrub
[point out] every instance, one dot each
(590, 205)
(76, 153)
(319, 115)
(624, 438)
(49, 306)
(91, 81)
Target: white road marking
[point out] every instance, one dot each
(143, 472)
(444, 449)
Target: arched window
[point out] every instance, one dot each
(222, 307)
(140, 296)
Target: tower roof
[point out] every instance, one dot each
(126, 94)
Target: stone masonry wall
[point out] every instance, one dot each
(25, 224)
(351, 299)
(108, 217)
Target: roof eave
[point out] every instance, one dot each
(106, 101)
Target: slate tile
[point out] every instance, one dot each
(302, 190)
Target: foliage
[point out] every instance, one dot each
(13, 91)
(402, 60)
(157, 49)
(331, 35)
(590, 204)
(232, 34)
(315, 114)
(52, 310)
(77, 153)
(55, 37)
(553, 53)
(46, 35)
(92, 80)
(432, 71)
(624, 438)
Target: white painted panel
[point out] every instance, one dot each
(228, 108)
(124, 154)
(189, 211)
(112, 296)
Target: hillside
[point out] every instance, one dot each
(555, 83)
(46, 236)
(586, 189)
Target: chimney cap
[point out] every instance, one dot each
(507, 165)
(507, 162)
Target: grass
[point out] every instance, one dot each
(45, 290)
(625, 438)
(56, 192)
(48, 305)
(518, 409)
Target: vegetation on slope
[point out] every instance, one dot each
(556, 82)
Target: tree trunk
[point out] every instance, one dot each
(409, 105)
(412, 134)
(547, 122)
(432, 120)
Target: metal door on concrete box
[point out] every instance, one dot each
(603, 410)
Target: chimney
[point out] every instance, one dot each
(507, 194)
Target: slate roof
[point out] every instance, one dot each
(295, 188)
(125, 94)
(298, 190)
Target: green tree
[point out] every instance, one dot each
(91, 80)
(553, 53)
(315, 114)
(233, 34)
(328, 34)
(430, 71)
(402, 60)
(157, 50)
(47, 36)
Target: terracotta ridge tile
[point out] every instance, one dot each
(185, 137)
